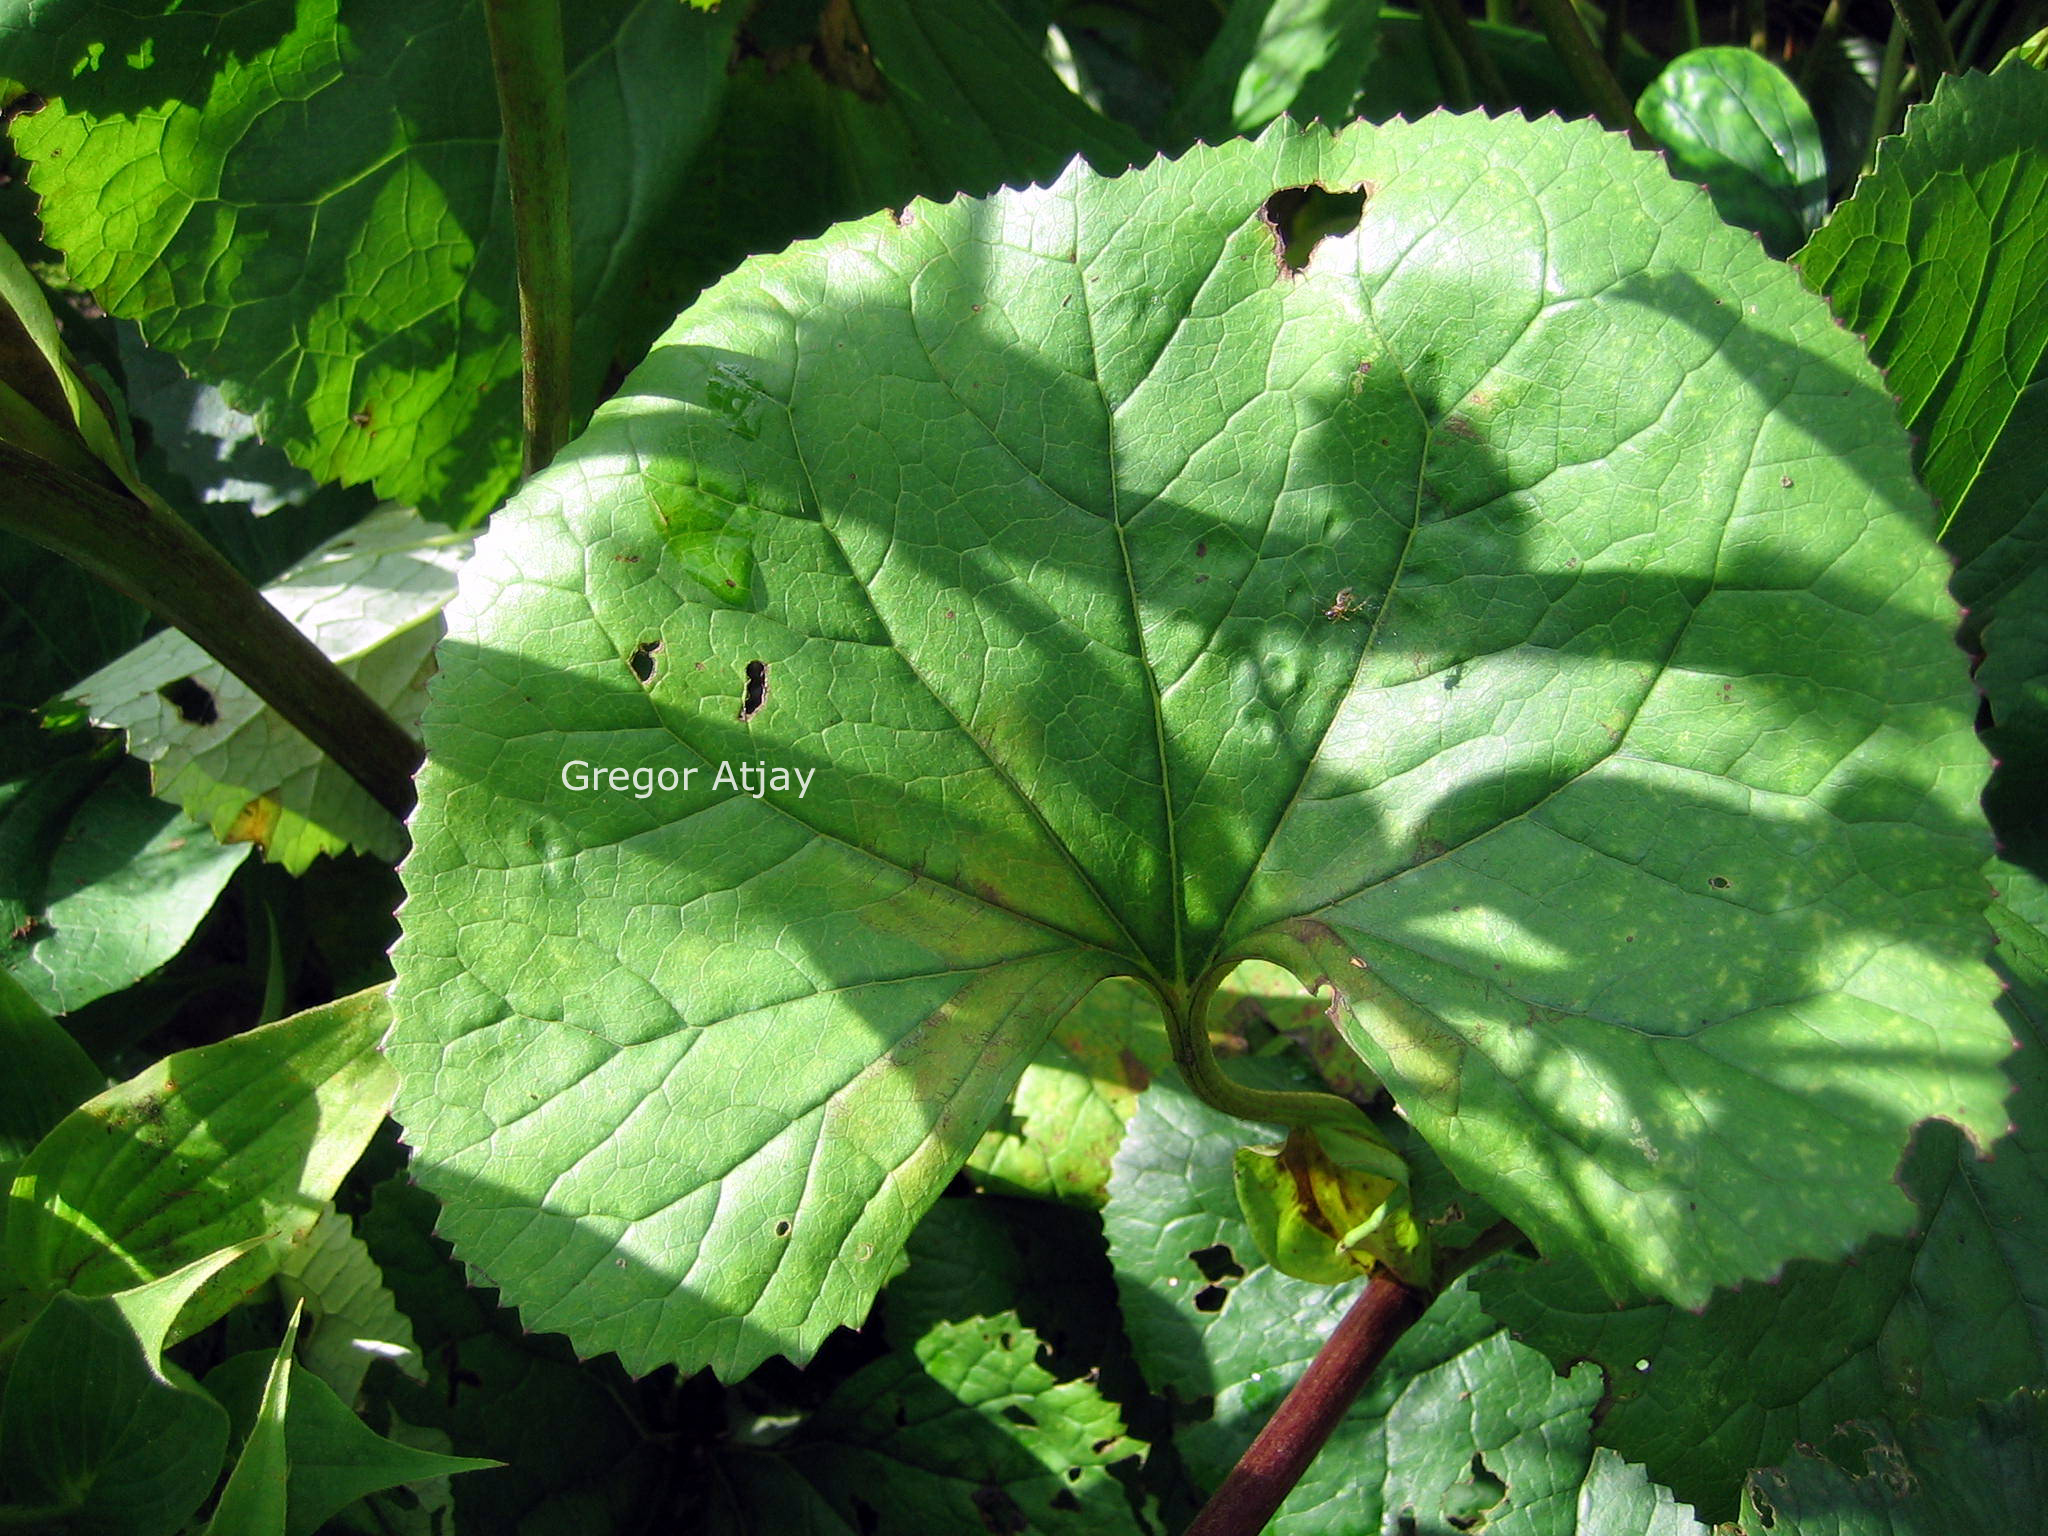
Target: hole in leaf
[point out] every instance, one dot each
(1073, 1474)
(1210, 1298)
(642, 659)
(757, 690)
(1006, 1340)
(193, 703)
(1064, 1500)
(1467, 1502)
(1301, 218)
(1100, 1446)
(1718, 882)
(1017, 1415)
(1216, 1262)
(782, 1229)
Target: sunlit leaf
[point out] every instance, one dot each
(1476, 620)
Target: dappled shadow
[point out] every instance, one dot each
(1555, 561)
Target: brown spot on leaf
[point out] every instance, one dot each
(843, 56)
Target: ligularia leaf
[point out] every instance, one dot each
(1515, 616)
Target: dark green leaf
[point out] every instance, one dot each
(108, 882)
(367, 315)
(568, 1432)
(252, 1501)
(1301, 57)
(352, 1321)
(965, 1430)
(321, 1457)
(1404, 80)
(1940, 260)
(46, 1077)
(1729, 118)
(2014, 677)
(100, 1432)
(1983, 1474)
(871, 104)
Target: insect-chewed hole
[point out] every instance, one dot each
(642, 659)
(1210, 1298)
(1216, 1262)
(1018, 1415)
(1301, 218)
(783, 1229)
(757, 690)
(194, 704)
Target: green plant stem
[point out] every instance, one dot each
(1968, 51)
(1269, 1469)
(1824, 38)
(1614, 34)
(1886, 107)
(1487, 84)
(533, 105)
(1568, 35)
(1688, 25)
(1450, 64)
(150, 554)
(1188, 1031)
(1922, 21)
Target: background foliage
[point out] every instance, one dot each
(258, 268)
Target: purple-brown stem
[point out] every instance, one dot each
(1268, 1471)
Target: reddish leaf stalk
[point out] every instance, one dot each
(1267, 1472)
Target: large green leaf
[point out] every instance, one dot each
(311, 209)
(103, 1437)
(1926, 1325)
(209, 1147)
(371, 599)
(1940, 260)
(1477, 621)
(1731, 119)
